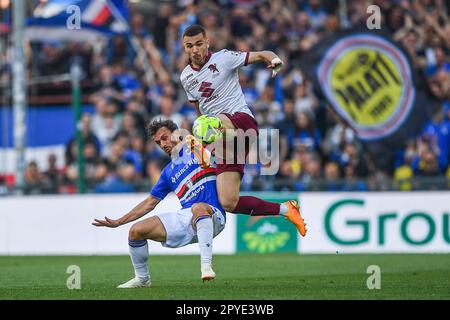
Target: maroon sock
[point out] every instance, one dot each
(256, 207)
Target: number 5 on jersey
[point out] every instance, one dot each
(206, 89)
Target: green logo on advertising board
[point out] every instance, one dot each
(381, 222)
(267, 238)
(265, 234)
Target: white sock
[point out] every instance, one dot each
(139, 258)
(283, 209)
(205, 239)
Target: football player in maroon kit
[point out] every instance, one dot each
(211, 83)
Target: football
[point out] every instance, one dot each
(207, 129)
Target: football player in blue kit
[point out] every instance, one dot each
(200, 218)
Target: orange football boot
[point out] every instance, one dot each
(199, 151)
(294, 216)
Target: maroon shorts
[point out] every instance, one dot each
(244, 121)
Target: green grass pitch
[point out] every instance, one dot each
(242, 276)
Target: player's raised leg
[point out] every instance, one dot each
(228, 187)
(293, 215)
(203, 225)
(229, 175)
(152, 229)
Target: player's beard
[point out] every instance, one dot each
(199, 60)
(168, 151)
(174, 148)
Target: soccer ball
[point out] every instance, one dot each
(207, 129)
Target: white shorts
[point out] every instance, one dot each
(179, 228)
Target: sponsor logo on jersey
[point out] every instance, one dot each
(183, 170)
(192, 84)
(195, 192)
(211, 98)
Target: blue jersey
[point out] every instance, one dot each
(188, 181)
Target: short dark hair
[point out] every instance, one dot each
(155, 125)
(194, 30)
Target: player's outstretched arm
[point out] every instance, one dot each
(140, 210)
(272, 60)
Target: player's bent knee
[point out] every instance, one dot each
(136, 232)
(229, 203)
(200, 210)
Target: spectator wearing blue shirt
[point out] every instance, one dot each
(351, 181)
(332, 178)
(316, 14)
(305, 133)
(120, 49)
(117, 180)
(438, 132)
(446, 108)
(135, 152)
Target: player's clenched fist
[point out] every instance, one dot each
(276, 64)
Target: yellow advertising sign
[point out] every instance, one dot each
(368, 81)
(368, 85)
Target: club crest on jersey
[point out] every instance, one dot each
(213, 68)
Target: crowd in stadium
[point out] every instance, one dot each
(318, 151)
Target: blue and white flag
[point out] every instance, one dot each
(78, 20)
